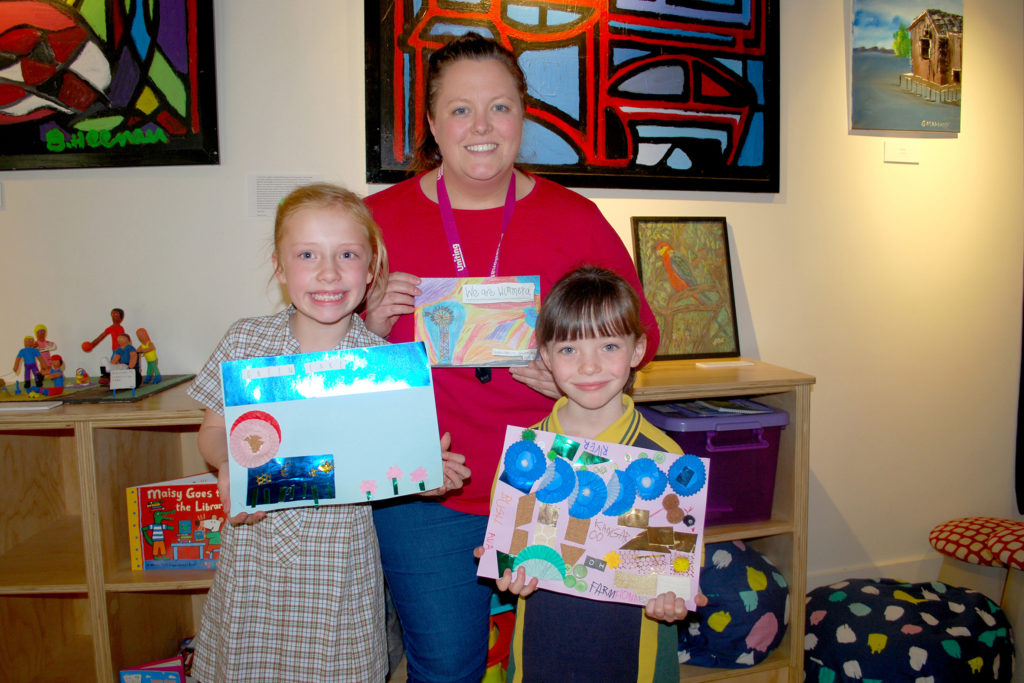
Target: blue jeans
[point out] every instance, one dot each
(427, 553)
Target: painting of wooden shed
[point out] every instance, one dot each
(906, 65)
(936, 49)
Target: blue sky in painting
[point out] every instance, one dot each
(874, 21)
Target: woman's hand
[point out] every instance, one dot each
(385, 306)
(515, 584)
(455, 470)
(668, 608)
(537, 376)
(224, 488)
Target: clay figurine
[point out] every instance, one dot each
(148, 351)
(56, 376)
(125, 354)
(45, 346)
(30, 356)
(115, 328)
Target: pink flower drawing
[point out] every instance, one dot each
(418, 476)
(394, 474)
(369, 488)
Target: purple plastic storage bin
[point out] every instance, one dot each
(743, 448)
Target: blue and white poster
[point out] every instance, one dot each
(907, 65)
(330, 427)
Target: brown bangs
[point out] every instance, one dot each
(589, 302)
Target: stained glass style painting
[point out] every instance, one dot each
(672, 94)
(106, 83)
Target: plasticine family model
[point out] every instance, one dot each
(124, 356)
(37, 361)
(40, 363)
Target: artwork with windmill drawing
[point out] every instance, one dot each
(478, 321)
(684, 266)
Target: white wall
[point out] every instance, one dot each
(897, 286)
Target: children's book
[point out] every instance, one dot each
(726, 406)
(478, 321)
(165, 671)
(330, 427)
(598, 520)
(175, 524)
(29, 405)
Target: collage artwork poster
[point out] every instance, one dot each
(597, 520)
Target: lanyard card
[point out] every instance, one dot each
(597, 520)
(478, 321)
(330, 427)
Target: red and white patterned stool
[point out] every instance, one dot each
(967, 539)
(1007, 544)
(997, 547)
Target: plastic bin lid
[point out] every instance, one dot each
(708, 415)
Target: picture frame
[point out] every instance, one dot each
(626, 94)
(104, 83)
(686, 273)
(910, 79)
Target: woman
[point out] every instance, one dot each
(470, 212)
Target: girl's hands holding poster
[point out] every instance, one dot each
(668, 608)
(516, 584)
(224, 487)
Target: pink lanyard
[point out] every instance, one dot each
(452, 232)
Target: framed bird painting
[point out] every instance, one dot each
(684, 266)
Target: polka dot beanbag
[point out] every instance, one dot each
(886, 630)
(747, 611)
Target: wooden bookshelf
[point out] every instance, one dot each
(783, 538)
(71, 606)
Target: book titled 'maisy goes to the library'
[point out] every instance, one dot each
(175, 524)
(164, 671)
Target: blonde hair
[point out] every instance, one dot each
(328, 196)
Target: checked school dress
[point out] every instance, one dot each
(298, 596)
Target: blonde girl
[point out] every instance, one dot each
(298, 593)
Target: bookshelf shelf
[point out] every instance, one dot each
(50, 561)
(46, 637)
(125, 580)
